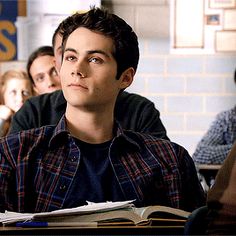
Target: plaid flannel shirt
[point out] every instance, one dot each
(217, 142)
(37, 168)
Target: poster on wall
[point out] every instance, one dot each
(226, 41)
(203, 26)
(222, 3)
(188, 26)
(229, 20)
(8, 35)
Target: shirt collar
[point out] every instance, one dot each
(60, 132)
(120, 135)
(124, 135)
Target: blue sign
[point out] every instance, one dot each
(8, 32)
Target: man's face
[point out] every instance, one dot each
(88, 71)
(44, 74)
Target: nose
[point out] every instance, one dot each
(77, 74)
(79, 71)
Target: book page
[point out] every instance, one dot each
(90, 208)
(145, 212)
(121, 216)
(11, 217)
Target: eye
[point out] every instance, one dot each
(12, 92)
(70, 58)
(39, 78)
(26, 93)
(95, 60)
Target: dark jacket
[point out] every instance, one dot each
(132, 111)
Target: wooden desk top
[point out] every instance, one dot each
(108, 230)
(208, 166)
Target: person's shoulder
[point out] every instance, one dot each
(22, 143)
(163, 149)
(132, 97)
(149, 139)
(55, 98)
(226, 113)
(28, 136)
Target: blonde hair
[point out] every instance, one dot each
(10, 74)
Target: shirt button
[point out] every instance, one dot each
(63, 187)
(73, 158)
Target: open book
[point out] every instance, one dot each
(151, 215)
(111, 213)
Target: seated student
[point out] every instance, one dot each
(221, 199)
(133, 111)
(42, 72)
(217, 142)
(15, 89)
(87, 156)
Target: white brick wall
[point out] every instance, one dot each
(188, 90)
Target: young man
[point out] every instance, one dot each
(133, 111)
(87, 156)
(42, 72)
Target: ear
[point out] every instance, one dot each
(126, 78)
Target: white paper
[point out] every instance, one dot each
(12, 217)
(91, 207)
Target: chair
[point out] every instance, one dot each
(197, 222)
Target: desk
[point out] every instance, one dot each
(108, 230)
(209, 171)
(208, 167)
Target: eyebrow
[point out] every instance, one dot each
(88, 52)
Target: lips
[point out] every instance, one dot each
(78, 86)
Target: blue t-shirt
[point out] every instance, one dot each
(95, 180)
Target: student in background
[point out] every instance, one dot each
(133, 111)
(217, 142)
(42, 72)
(221, 199)
(87, 156)
(15, 88)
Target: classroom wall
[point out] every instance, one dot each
(188, 90)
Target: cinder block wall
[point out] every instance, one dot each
(188, 90)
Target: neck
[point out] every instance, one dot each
(90, 127)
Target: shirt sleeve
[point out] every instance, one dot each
(217, 142)
(193, 193)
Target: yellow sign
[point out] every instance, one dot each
(9, 48)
